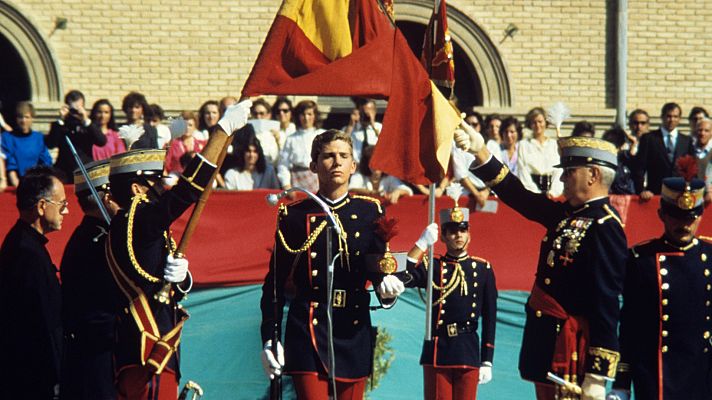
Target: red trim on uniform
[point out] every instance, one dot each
(490, 345)
(435, 351)
(660, 320)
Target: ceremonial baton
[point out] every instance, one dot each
(94, 193)
(273, 199)
(570, 386)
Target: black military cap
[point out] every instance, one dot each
(98, 172)
(682, 199)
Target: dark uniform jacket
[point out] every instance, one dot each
(665, 321)
(464, 290)
(581, 265)
(30, 304)
(82, 137)
(301, 278)
(652, 159)
(89, 302)
(151, 243)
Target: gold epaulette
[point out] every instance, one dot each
(611, 214)
(482, 260)
(705, 238)
(371, 199)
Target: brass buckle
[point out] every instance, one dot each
(452, 329)
(339, 299)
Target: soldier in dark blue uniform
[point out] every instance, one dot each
(140, 253)
(30, 296)
(457, 359)
(573, 310)
(667, 305)
(89, 295)
(300, 262)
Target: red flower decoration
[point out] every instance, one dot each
(386, 228)
(687, 167)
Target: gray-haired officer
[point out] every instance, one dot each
(573, 310)
(89, 295)
(457, 359)
(667, 305)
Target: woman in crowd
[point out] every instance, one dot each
(268, 138)
(474, 119)
(295, 157)
(251, 171)
(183, 148)
(282, 112)
(491, 133)
(537, 157)
(102, 117)
(23, 148)
(511, 133)
(157, 118)
(376, 183)
(138, 118)
(208, 117)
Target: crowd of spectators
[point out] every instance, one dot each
(275, 152)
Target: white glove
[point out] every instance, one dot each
(485, 373)
(176, 269)
(462, 139)
(477, 142)
(272, 366)
(618, 394)
(130, 133)
(593, 387)
(390, 288)
(428, 237)
(235, 116)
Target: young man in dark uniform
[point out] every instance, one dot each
(300, 261)
(573, 310)
(667, 305)
(30, 298)
(140, 253)
(464, 289)
(89, 295)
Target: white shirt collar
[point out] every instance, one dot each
(332, 202)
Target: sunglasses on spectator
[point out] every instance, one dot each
(260, 113)
(284, 110)
(639, 123)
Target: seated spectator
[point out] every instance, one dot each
(260, 110)
(208, 117)
(491, 134)
(376, 183)
(511, 133)
(23, 148)
(138, 132)
(251, 171)
(226, 102)
(363, 127)
(584, 128)
(74, 123)
(471, 185)
(295, 158)
(696, 115)
(157, 118)
(439, 188)
(623, 181)
(183, 148)
(537, 157)
(282, 112)
(102, 118)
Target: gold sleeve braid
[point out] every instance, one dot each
(499, 178)
(138, 199)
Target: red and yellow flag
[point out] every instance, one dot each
(437, 55)
(351, 48)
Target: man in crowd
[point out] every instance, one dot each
(300, 262)
(457, 359)
(696, 115)
(141, 256)
(703, 151)
(74, 122)
(665, 320)
(572, 313)
(363, 127)
(658, 151)
(30, 298)
(89, 295)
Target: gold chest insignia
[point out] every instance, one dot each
(569, 234)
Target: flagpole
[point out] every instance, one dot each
(431, 210)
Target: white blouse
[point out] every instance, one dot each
(539, 159)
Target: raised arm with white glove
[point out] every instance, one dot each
(176, 269)
(271, 363)
(476, 143)
(485, 372)
(428, 237)
(235, 116)
(390, 287)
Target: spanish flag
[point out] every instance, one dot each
(351, 48)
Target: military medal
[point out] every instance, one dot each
(386, 229)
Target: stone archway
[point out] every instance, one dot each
(479, 51)
(31, 47)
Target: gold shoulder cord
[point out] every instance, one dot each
(138, 199)
(458, 279)
(310, 240)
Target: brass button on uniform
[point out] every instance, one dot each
(706, 335)
(440, 322)
(709, 287)
(472, 315)
(315, 272)
(444, 270)
(665, 286)
(354, 216)
(358, 252)
(664, 349)
(474, 305)
(315, 322)
(707, 303)
(666, 317)
(703, 257)
(547, 281)
(444, 280)
(707, 272)
(357, 234)
(355, 322)
(661, 258)
(442, 311)
(474, 274)
(313, 254)
(665, 302)
(316, 287)
(663, 271)
(474, 284)
(665, 333)
(538, 314)
(312, 219)
(706, 350)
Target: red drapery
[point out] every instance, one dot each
(233, 241)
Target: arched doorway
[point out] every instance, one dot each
(481, 77)
(28, 70)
